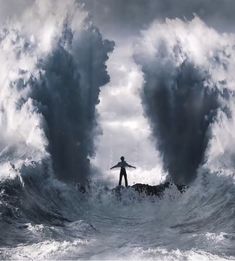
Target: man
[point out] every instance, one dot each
(123, 164)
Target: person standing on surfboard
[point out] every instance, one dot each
(123, 164)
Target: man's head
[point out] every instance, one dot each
(122, 158)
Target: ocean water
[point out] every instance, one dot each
(51, 220)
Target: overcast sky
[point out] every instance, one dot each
(126, 17)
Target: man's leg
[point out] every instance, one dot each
(120, 179)
(126, 183)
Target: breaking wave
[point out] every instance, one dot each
(188, 92)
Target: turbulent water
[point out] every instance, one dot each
(54, 221)
(51, 73)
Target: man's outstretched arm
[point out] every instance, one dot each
(115, 166)
(130, 166)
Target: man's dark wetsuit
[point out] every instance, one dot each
(122, 164)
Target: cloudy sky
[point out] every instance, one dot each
(125, 129)
(127, 17)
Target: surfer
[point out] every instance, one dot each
(123, 164)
